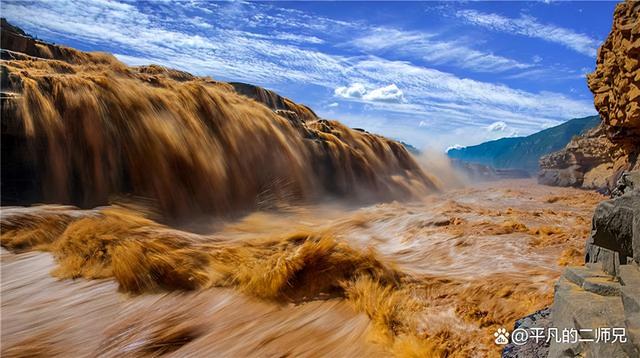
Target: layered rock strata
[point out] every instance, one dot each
(598, 158)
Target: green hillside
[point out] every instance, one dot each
(524, 152)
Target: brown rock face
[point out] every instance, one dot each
(598, 158)
(616, 81)
(591, 161)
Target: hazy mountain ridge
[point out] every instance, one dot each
(524, 152)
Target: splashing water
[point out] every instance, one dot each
(433, 277)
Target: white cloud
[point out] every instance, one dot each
(398, 90)
(455, 146)
(355, 90)
(423, 124)
(428, 48)
(445, 95)
(390, 93)
(333, 105)
(497, 127)
(530, 27)
(500, 129)
(200, 22)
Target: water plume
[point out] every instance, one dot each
(442, 170)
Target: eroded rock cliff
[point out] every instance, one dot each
(598, 158)
(604, 294)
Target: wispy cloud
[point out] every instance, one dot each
(426, 47)
(298, 38)
(531, 27)
(444, 90)
(262, 47)
(200, 22)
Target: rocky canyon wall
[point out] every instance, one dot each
(597, 159)
(605, 292)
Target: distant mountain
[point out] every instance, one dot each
(524, 152)
(413, 150)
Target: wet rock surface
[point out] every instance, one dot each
(605, 293)
(532, 349)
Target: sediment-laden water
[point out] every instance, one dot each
(434, 276)
(217, 223)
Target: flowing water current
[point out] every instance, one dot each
(432, 277)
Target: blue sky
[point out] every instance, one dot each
(433, 74)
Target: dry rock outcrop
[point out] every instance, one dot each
(598, 158)
(605, 293)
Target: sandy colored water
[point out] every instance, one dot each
(436, 276)
(45, 317)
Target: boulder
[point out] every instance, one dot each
(606, 291)
(585, 311)
(627, 183)
(616, 226)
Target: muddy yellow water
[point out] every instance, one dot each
(432, 277)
